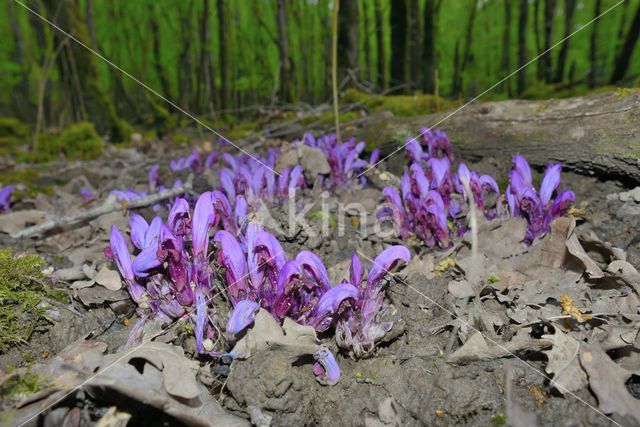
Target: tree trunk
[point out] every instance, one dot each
(414, 44)
(20, 97)
(624, 57)
(593, 47)
(90, 23)
(185, 66)
(157, 61)
(368, 73)
(348, 46)
(522, 44)
(547, 59)
(398, 22)
(206, 71)
(466, 54)
(223, 54)
(381, 68)
(429, 46)
(537, 35)
(79, 72)
(456, 69)
(283, 49)
(569, 12)
(506, 47)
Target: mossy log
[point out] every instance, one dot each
(595, 135)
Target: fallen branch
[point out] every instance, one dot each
(109, 206)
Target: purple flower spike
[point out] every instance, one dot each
(5, 195)
(179, 219)
(550, 183)
(326, 368)
(464, 174)
(356, 270)
(562, 203)
(230, 255)
(203, 218)
(120, 251)
(310, 262)
(274, 254)
(146, 260)
(138, 226)
(241, 317)
(211, 160)
(330, 303)
(385, 262)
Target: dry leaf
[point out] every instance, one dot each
(477, 348)
(607, 380)
(564, 363)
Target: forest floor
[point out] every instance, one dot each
(554, 305)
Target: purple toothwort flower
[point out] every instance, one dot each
(5, 196)
(539, 209)
(86, 193)
(326, 368)
(241, 317)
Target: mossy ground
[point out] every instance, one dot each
(400, 105)
(22, 289)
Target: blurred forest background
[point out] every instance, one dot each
(225, 60)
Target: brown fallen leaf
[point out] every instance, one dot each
(607, 380)
(564, 364)
(477, 348)
(13, 222)
(626, 272)
(266, 334)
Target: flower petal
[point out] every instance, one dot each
(138, 226)
(241, 317)
(310, 261)
(326, 368)
(550, 183)
(330, 302)
(385, 261)
(145, 261)
(120, 251)
(356, 269)
(203, 218)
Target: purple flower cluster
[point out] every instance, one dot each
(539, 208)
(170, 274)
(343, 158)
(255, 178)
(259, 274)
(194, 162)
(430, 201)
(5, 198)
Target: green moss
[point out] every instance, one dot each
(498, 419)
(22, 289)
(179, 138)
(13, 135)
(32, 181)
(400, 105)
(78, 141)
(623, 92)
(22, 385)
(328, 119)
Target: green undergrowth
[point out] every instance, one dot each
(400, 105)
(78, 141)
(22, 289)
(13, 135)
(23, 384)
(31, 180)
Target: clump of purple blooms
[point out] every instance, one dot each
(5, 197)
(171, 276)
(255, 178)
(433, 203)
(343, 158)
(539, 208)
(299, 288)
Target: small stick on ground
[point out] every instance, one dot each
(109, 206)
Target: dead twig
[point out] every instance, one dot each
(109, 206)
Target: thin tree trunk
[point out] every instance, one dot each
(456, 69)
(348, 46)
(381, 68)
(624, 57)
(414, 44)
(283, 49)
(185, 65)
(506, 47)
(569, 12)
(367, 43)
(21, 90)
(157, 61)
(79, 72)
(593, 47)
(205, 67)
(429, 46)
(398, 21)
(223, 54)
(547, 60)
(466, 55)
(537, 35)
(90, 23)
(522, 45)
